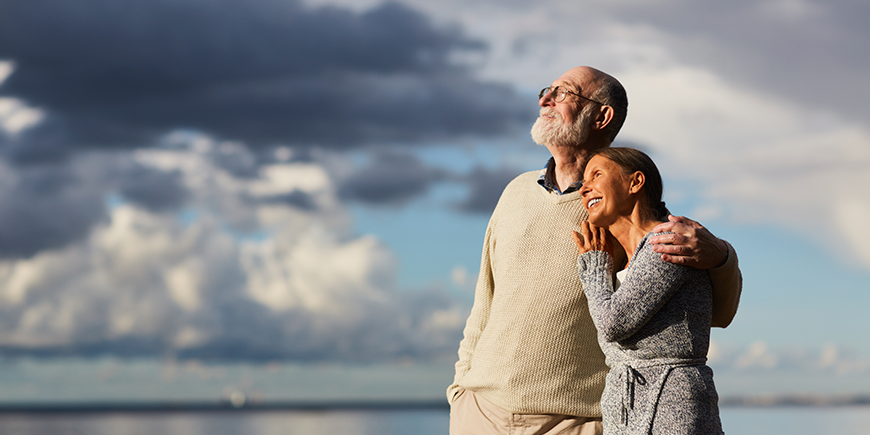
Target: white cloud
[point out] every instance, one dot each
(758, 355)
(6, 69)
(762, 160)
(842, 362)
(459, 275)
(314, 271)
(288, 177)
(309, 288)
(714, 353)
(752, 151)
(16, 116)
(829, 356)
(184, 283)
(852, 214)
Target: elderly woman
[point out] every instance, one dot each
(654, 327)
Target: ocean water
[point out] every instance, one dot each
(737, 421)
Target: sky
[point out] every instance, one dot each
(287, 199)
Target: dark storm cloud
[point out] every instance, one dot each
(114, 73)
(485, 187)
(153, 189)
(296, 199)
(390, 178)
(46, 144)
(53, 204)
(44, 207)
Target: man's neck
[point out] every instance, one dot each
(569, 164)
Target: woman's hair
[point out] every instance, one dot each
(631, 161)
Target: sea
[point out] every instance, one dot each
(840, 420)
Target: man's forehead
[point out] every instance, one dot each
(566, 84)
(575, 79)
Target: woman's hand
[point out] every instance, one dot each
(592, 238)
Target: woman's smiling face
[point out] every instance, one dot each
(605, 191)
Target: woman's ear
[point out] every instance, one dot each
(636, 180)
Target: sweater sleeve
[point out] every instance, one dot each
(619, 314)
(478, 318)
(727, 287)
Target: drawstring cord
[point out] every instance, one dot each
(630, 377)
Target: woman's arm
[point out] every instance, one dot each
(619, 314)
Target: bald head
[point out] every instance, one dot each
(586, 76)
(603, 88)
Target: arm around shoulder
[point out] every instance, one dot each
(727, 287)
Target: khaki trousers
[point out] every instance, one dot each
(471, 414)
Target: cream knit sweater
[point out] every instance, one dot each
(530, 345)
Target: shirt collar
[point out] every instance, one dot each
(547, 179)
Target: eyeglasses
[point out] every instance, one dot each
(560, 93)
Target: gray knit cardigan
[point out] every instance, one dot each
(654, 330)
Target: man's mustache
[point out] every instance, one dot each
(546, 111)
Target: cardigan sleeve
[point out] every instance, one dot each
(727, 287)
(619, 314)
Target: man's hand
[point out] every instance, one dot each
(690, 245)
(592, 238)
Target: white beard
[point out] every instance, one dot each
(547, 131)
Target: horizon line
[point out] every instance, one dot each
(158, 406)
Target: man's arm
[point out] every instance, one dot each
(693, 245)
(727, 286)
(476, 320)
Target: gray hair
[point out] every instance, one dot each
(611, 93)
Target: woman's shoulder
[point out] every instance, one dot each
(644, 243)
(645, 257)
(644, 253)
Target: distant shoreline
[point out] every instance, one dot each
(145, 407)
(796, 400)
(759, 401)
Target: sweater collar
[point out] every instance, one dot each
(547, 179)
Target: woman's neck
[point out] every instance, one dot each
(630, 230)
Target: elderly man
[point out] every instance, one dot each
(530, 362)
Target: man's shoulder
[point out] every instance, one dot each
(522, 190)
(525, 181)
(519, 191)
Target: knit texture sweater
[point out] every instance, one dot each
(529, 343)
(655, 332)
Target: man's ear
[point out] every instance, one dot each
(636, 182)
(605, 115)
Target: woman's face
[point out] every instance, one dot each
(606, 191)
